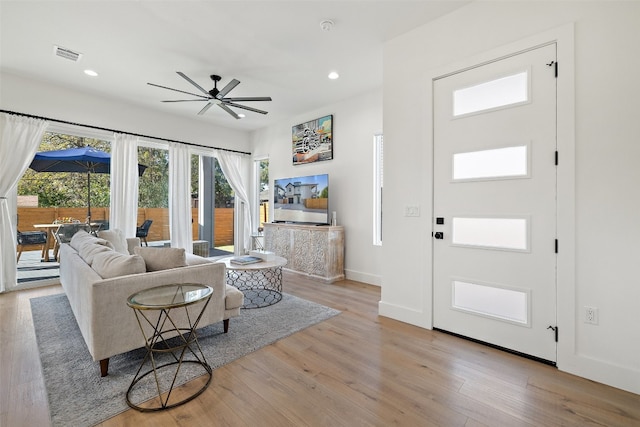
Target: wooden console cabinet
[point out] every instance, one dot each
(317, 251)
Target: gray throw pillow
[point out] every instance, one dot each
(114, 264)
(162, 258)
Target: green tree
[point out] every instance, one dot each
(153, 189)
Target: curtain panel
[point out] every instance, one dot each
(235, 168)
(19, 140)
(123, 213)
(180, 197)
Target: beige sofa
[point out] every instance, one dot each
(98, 274)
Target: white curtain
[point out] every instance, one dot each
(123, 213)
(180, 196)
(19, 140)
(236, 168)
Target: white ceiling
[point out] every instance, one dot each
(275, 48)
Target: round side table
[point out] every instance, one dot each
(171, 333)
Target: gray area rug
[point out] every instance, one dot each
(78, 396)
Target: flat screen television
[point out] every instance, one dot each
(301, 200)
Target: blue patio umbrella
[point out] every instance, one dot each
(85, 160)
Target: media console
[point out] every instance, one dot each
(317, 251)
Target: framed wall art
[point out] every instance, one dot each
(312, 141)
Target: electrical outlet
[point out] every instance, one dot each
(591, 315)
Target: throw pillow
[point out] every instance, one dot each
(162, 258)
(114, 264)
(117, 239)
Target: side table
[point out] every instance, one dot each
(169, 333)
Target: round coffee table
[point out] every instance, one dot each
(260, 282)
(169, 333)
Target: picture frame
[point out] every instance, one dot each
(312, 141)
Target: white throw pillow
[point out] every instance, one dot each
(114, 264)
(162, 258)
(116, 238)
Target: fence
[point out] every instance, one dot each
(223, 224)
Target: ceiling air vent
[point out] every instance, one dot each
(66, 53)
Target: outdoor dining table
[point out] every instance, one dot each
(50, 243)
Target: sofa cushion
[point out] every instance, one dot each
(116, 238)
(192, 259)
(162, 258)
(90, 249)
(80, 238)
(113, 264)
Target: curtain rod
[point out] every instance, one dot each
(119, 131)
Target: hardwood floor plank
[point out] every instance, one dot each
(355, 369)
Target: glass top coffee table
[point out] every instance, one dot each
(261, 282)
(168, 316)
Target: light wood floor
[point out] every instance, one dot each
(356, 369)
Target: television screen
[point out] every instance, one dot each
(303, 199)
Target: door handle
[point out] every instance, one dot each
(438, 235)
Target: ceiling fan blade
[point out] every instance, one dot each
(229, 110)
(205, 108)
(178, 90)
(225, 90)
(185, 100)
(255, 110)
(184, 76)
(249, 98)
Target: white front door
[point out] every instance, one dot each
(494, 246)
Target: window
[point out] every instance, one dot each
(377, 188)
(491, 95)
(262, 193)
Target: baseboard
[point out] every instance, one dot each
(621, 377)
(358, 276)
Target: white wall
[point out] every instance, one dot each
(355, 121)
(28, 96)
(607, 175)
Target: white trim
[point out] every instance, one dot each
(378, 155)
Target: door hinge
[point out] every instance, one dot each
(554, 64)
(556, 158)
(556, 245)
(554, 329)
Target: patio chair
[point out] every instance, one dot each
(143, 231)
(99, 225)
(65, 232)
(28, 238)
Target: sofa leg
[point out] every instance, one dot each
(225, 322)
(104, 367)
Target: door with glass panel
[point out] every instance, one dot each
(494, 244)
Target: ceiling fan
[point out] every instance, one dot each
(217, 97)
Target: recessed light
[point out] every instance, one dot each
(91, 73)
(333, 75)
(241, 115)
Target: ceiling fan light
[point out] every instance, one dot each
(333, 75)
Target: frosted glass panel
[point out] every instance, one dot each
(500, 233)
(500, 303)
(513, 89)
(498, 163)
